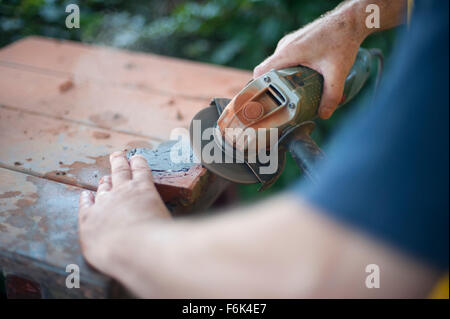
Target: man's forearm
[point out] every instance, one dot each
(271, 250)
(350, 17)
(392, 13)
(252, 252)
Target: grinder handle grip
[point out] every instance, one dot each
(306, 85)
(358, 75)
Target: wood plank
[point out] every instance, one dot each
(146, 71)
(107, 106)
(39, 237)
(79, 155)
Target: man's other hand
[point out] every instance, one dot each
(124, 201)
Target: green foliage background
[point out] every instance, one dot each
(236, 33)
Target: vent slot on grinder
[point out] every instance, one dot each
(275, 95)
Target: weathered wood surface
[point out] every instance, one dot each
(146, 72)
(64, 107)
(37, 235)
(139, 113)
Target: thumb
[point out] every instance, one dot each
(272, 62)
(333, 89)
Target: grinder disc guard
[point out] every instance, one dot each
(228, 168)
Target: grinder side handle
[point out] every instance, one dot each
(303, 149)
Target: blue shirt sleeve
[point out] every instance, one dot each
(387, 169)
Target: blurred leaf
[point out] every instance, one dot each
(227, 51)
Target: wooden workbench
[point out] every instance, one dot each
(64, 107)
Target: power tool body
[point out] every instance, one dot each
(280, 105)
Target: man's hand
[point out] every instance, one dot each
(125, 201)
(329, 45)
(326, 47)
(281, 247)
